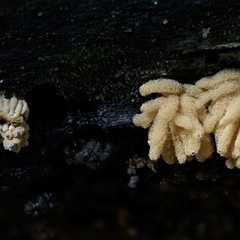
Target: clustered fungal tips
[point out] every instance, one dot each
(185, 118)
(14, 131)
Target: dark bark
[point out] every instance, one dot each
(79, 65)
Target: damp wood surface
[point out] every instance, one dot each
(79, 65)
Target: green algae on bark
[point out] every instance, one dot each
(106, 72)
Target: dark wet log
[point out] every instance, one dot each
(69, 58)
(79, 65)
(104, 51)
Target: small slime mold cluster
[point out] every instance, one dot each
(14, 131)
(185, 119)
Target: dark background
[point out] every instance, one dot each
(79, 65)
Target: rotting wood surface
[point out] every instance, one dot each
(79, 66)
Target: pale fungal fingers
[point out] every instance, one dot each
(6, 107)
(26, 114)
(163, 86)
(236, 147)
(187, 106)
(188, 110)
(168, 152)
(232, 113)
(184, 129)
(192, 90)
(13, 104)
(178, 144)
(153, 105)
(144, 119)
(14, 119)
(158, 130)
(183, 121)
(237, 162)
(18, 108)
(230, 163)
(25, 110)
(9, 135)
(149, 112)
(216, 93)
(156, 144)
(215, 112)
(225, 75)
(206, 148)
(191, 145)
(1, 107)
(14, 131)
(224, 137)
(5, 127)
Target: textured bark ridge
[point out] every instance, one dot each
(79, 65)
